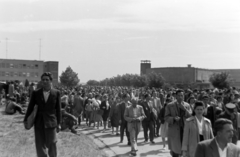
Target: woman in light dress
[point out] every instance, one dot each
(96, 116)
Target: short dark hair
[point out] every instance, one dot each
(48, 74)
(179, 91)
(219, 123)
(198, 103)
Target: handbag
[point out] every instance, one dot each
(31, 118)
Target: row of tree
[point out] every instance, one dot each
(151, 80)
(69, 78)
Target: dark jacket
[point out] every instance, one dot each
(49, 113)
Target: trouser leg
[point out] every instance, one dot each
(158, 123)
(133, 139)
(127, 132)
(51, 141)
(145, 130)
(151, 132)
(122, 131)
(40, 142)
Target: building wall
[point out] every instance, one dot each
(144, 67)
(176, 74)
(21, 70)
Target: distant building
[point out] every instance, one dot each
(15, 69)
(189, 74)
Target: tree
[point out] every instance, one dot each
(155, 80)
(220, 80)
(92, 83)
(69, 78)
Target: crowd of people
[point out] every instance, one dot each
(185, 117)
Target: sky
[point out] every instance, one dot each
(104, 38)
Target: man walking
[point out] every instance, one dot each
(157, 106)
(175, 114)
(123, 123)
(221, 145)
(48, 117)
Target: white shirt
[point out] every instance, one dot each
(46, 95)
(222, 153)
(200, 125)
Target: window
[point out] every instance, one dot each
(28, 74)
(24, 65)
(11, 74)
(3, 65)
(6, 74)
(36, 74)
(20, 74)
(32, 74)
(7, 65)
(11, 65)
(36, 66)
(15, 74)
(20, 66)
(24, 74)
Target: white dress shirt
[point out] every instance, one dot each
(46, 95)
(200, 125)
(222, 153)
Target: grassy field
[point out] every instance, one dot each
(15, 141)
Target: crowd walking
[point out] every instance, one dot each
(192, 122)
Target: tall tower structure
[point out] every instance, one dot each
(145, 64)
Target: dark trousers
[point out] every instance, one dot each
(157, 125)
(148, 126)
(45, 138)
(123, 127)
(174, 154)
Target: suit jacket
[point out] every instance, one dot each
(147, 107)
(174, 138)
(49, 113)
(122, 107)
(128, 116)
(191, 134)
(209, 148)
(106, 110)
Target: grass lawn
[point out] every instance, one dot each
(15, 141)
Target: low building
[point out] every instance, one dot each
(15, 69)
(189, 74)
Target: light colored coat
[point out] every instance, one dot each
(171, 111)
(191, 134)
(157, 104)
(128, 116)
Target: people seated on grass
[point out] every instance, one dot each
(68, 120)
(12, 107)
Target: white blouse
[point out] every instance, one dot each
(200, 126)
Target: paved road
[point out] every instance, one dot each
(112, 146)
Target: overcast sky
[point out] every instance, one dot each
(104, 38)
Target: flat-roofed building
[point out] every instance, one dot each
(16, 69)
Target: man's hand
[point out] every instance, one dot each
(177, 118)
(58, 128)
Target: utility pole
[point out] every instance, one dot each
(6, 48)
(40, 49)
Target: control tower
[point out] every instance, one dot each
(145, 64)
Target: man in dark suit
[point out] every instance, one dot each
(48, 117)
(148, 122)
(123, 123)
(221, 145)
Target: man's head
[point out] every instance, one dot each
(230, 107)
(46, 79)
(134, 102)
(147, 97)
(205, 99)
(154, 94)
(179, 95)
(224, 130)
(126, 97)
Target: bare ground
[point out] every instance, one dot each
(15, 141)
